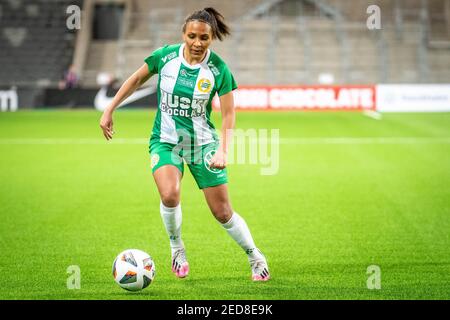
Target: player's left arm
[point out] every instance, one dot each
(219, 160)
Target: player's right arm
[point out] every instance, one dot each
(136, 80)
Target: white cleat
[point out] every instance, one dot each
(260, 270)
(180, 266)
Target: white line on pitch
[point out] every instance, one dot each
(364, 140)
(372, 114)
(284, 141)
(73, 141)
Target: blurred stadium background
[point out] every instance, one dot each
(352, 191)
(274, 42)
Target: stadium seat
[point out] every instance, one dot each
(34, 40)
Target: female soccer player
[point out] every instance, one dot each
(189, 75)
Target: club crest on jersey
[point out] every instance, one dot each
(204, 85)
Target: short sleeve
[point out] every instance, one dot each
(153, 60)
(227, 82)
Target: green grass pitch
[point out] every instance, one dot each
(350, 192)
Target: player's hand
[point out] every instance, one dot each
(106, 123)
(218, 161)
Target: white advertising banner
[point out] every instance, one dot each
(413, 98)
(9, 100)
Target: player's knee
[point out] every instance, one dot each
(170, 198)
(222, 212)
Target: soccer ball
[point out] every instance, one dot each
(133, 270)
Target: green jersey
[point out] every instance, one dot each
(185, 93)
